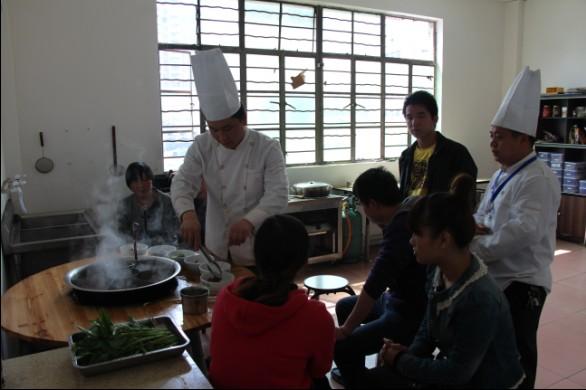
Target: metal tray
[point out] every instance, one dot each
(111, 365)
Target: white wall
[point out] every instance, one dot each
(84, 65)
(554, 40)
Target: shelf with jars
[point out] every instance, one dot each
(561, 143)
(562, 119)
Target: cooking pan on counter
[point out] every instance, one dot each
(121, 281)
(311, 189)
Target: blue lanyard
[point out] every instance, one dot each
(497, 190)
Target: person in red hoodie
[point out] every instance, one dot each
(266, 332)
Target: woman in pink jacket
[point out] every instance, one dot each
(266, 332)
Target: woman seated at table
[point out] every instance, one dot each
(147, 206)
(467, 316)
(266, 332)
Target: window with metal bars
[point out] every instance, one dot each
(328, 83)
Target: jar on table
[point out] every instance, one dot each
(556, 111)
(546, 113)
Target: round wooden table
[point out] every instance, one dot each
(40, 309)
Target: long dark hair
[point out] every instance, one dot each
(281, 248)
(447, 211)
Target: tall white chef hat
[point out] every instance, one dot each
(218, 97)
(519, 110)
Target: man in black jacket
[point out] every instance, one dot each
(430, 164)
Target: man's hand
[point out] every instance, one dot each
(389, 352)
(342, 332)
(482, 230)
(239, 232)
(191, 229)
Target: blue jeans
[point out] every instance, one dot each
(383, 321)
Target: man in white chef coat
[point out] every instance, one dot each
(244, 170)
(518, 215)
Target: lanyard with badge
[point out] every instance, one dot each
(497, 189)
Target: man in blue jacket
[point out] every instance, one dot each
(393, 298)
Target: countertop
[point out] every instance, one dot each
(54, 369)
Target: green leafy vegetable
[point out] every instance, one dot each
(104, 341)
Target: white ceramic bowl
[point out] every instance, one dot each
(161, 250)
(205, 271)
(215, 287)
(128, 249)
(179, 255)
(192, 262)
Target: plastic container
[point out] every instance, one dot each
(544, 156)
(556, 157)
(574, 175)
(556, 165)
(571, 190)
(570, 182)
(575, 165)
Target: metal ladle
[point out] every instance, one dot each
(135, 229)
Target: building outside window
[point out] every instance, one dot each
(328, 83)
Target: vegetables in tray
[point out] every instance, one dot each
(105, 341)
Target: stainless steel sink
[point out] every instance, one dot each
(44, 221)
(34, 242)
(56, 232)
(48, 230)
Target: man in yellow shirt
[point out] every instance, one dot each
(430, 164)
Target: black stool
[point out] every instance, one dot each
(327, 284)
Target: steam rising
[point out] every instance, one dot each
(113, 272)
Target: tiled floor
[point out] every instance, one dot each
(562, 330)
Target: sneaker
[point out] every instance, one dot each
(337, 375)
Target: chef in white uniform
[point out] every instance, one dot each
(244, 170)
(518, 215)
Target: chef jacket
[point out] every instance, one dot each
(248, 182)
(522, 221)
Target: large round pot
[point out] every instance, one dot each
(311, 189)
(122, 281)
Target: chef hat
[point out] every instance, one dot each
(519, 110)
(218, 97)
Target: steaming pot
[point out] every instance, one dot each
(121, 281)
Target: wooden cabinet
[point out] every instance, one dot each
(572, 218)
